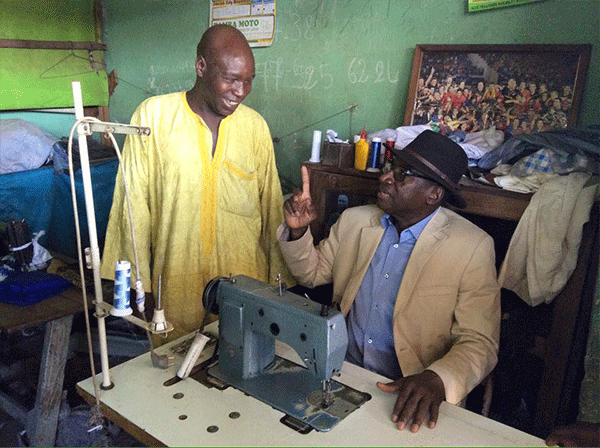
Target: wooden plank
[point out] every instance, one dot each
(16, 318)
(13, 408)
(98, 19)
(42, 420)
(570, 317)
(494, 202)
(51, 45)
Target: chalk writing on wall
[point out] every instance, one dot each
(174, 78)
(274, 74)
(362, 71)
(270, 72)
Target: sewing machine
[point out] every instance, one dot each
(252, 316)
(160, 409)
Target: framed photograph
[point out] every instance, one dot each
(515, 88)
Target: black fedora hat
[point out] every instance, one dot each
(438, 158)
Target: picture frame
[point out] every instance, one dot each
(515, 88)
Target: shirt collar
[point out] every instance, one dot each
(415, 230)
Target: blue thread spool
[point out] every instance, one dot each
(374, 159)
(122, 289)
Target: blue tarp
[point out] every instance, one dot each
(43, 198)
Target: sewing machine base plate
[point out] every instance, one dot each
(292, 389)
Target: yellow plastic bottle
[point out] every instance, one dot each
(361, 151)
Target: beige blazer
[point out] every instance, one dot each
(447, 314)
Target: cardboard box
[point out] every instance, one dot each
(338, 154)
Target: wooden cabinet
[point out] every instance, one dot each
(328, 182)
(552, 337)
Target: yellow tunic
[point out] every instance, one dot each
(196, 216)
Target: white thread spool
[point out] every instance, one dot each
(122, 289)
(315, 155)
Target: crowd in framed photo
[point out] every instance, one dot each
(464, 93)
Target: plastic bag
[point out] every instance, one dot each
(24, 146)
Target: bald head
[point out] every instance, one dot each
(222, 38)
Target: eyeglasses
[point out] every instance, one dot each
(400, 173)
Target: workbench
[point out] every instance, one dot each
(57, 314)
(188, 413)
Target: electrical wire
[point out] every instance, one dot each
(72, 55)
(351, 109)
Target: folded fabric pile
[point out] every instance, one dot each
(525, 161)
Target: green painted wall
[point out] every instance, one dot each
(41, 78)
(329, 55)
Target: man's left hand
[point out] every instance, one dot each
(419, 396)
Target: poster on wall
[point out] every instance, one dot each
(254, 18)
(480, 5)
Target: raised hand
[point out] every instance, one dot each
(419, 396)
(298, 210)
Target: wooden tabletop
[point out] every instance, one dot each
(14, 317)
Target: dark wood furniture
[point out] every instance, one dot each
(57, 314)
(327, 182)
(559, 346)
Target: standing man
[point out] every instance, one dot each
(416, 281)
(204, 187)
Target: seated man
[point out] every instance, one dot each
(416, 281)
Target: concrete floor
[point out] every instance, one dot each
(9, 430)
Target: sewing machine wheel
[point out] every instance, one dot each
(209, 296)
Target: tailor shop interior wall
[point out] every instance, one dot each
(329, 55)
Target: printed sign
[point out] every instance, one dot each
(254, 18)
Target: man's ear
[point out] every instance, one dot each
(435, 195)
(200, 66)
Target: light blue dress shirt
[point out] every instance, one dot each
(370, 320)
